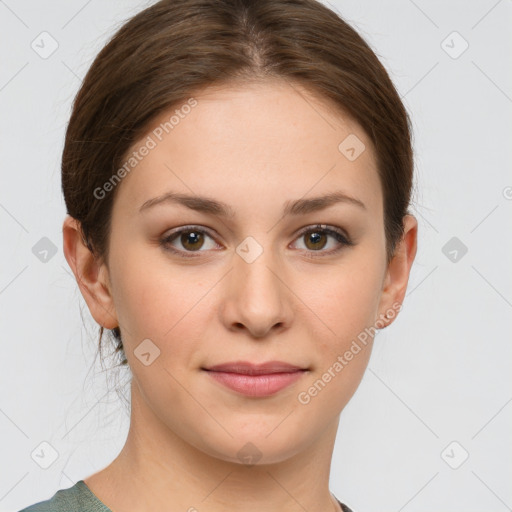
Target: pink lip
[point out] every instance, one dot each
(256, 380)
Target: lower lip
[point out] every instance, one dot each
(256, 385)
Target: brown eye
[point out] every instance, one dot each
(187, 241)
(317, 238)
(192, 240)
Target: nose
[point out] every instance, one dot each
(257, 298)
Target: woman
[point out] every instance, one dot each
(237, 177)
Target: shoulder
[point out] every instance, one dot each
(74, 499)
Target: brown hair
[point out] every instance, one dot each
(174, 48)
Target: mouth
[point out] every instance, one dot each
(256, 380)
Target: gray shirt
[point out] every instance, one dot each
(80, 498)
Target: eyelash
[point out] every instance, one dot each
(338, 235)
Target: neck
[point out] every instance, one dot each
(158, 470)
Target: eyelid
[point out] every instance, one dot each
(173, 234)
(327, 229)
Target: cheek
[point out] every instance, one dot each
(160, 300)
(345, 301)
(343, 342)
(166, 303)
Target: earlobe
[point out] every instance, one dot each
(398, 271)
(91, 274)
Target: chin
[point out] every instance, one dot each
(256, 447)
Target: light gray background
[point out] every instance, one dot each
(440, 373)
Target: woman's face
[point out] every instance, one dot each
(256, 283)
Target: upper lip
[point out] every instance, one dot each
(247, 368)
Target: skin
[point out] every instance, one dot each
(255, 147)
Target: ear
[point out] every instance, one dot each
(397, 273)
(91, 275)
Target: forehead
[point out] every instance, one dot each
(269, 139)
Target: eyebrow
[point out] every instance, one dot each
(211, 206)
